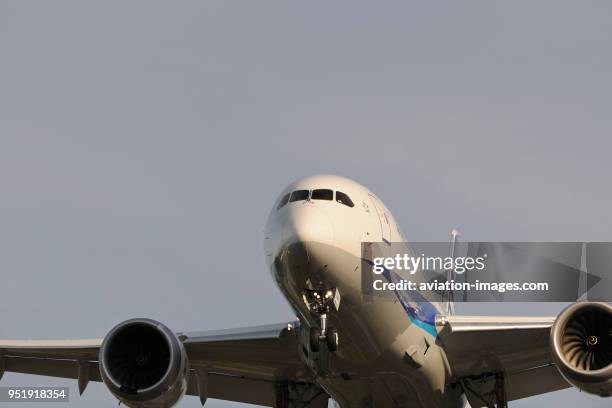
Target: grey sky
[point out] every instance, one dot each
(143, 143)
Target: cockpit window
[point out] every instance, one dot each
(299, 195)
(283, 201)
(344, 199)
(322, 194)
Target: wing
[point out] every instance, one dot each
(254, 365)
(480, 348)
(258, 365)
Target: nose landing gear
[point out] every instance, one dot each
(324, 334)
(319, 302)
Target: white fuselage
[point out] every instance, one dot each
(314, 241)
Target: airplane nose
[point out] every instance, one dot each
(307, 223)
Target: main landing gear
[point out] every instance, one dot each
(319, 303)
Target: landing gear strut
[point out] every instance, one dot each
(319, 302)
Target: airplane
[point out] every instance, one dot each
(405, 353)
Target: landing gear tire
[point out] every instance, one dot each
(315, 335)
(331, 338)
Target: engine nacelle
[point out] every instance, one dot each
(581, 346)
(144, 364)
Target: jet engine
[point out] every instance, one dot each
(581, 346)
(144, 364)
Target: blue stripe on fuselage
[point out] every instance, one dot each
(420, 311)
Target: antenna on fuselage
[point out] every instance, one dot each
(448, 299)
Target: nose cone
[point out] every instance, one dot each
(307, 224)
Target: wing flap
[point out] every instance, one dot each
(235, 388)
(50, 367)
(526, 383)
